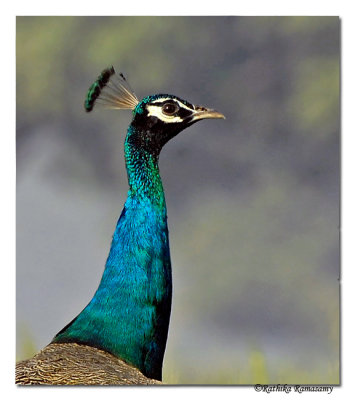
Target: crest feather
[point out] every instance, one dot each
(111, 91)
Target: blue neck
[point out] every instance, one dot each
(129, 313)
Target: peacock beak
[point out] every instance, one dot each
(204, 113)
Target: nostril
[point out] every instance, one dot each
(200, 108)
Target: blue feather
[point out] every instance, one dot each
(130, 311)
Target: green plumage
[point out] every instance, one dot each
(96, 88)
(128, 316)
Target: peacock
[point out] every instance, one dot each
(120, 336)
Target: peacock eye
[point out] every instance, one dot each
(170, 108)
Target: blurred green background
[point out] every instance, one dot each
(253, 201)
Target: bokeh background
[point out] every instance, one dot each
(253, 201)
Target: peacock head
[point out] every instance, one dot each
(156, 118)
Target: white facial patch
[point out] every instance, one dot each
(181, 105)
(156, 111)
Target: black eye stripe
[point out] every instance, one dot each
(161, 103)
(183, 113)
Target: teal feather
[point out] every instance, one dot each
(129, 314)
(96, 88)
